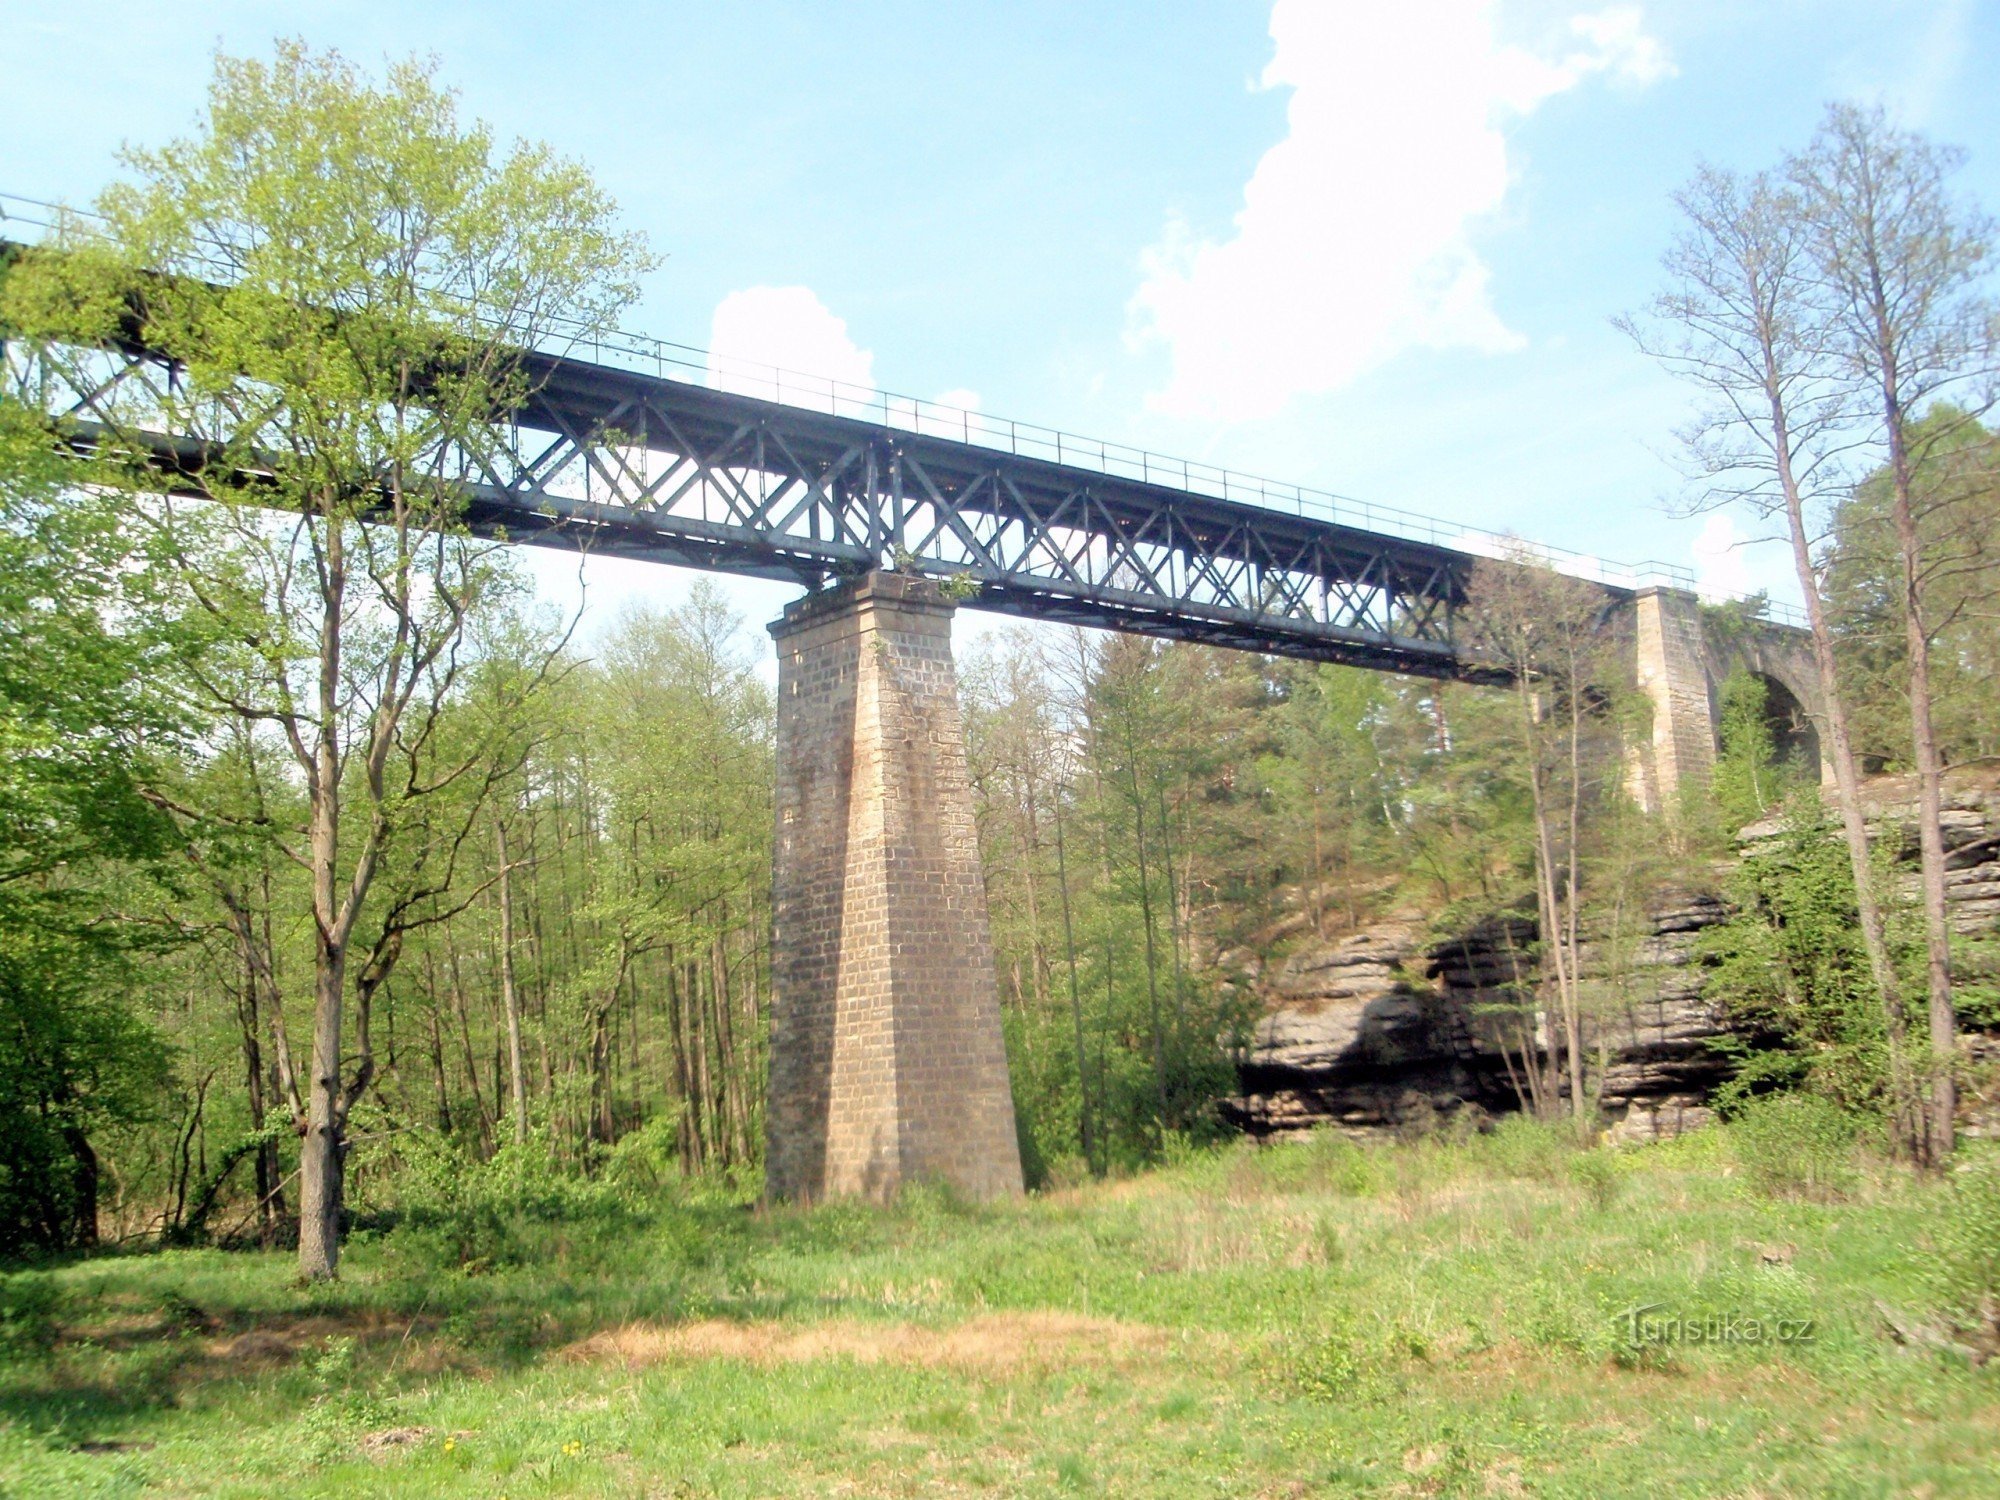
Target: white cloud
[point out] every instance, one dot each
(1622, 47)
(1721, 571)
(1352, 242)
(764, 330)
(784, 344)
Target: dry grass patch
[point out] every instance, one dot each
(1002, 1343)
(415, 1345)
(389, 1439)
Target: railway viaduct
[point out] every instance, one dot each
(887, 1063)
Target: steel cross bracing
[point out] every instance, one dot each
(636, 465)
(713, 479)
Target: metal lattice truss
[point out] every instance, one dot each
(663, 469)
(635, 465)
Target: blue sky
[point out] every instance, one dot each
(1368, 247)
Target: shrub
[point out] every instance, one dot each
(28, 1326)
(514, 1209)
(1796, 1145)
(1345, 1166)
(1596, 1173)
(1067, 1171)
(1968, 1235)
(647, 1160)
(1555, 1317)
(1523, 1146)
(1337, 1362)
(1788, 970)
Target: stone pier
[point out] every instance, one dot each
(1680, 662)
(887, 1065)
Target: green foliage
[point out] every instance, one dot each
(1749, 778)
(1789, 971)
(1326, 760)
(1216, 1345)
(29, 1323)
(1336, 1362)
(1729, 623)
(1522, 1146)
(1956, 504)
(1111, 798)
(84, 720)
(74, 1061)
(581, 853)
(1966, 1266)
(1796, 1145)
(83, 711)
(959, 587)
(1344, 1166)
(1518, 1148)
(343, 273)
(519, 1207)
(1154, 818)
(1595, 1173)
(1976, 981)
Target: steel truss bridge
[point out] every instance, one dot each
(640, 463)
(716, 479)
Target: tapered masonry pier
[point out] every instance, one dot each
(887, 1064)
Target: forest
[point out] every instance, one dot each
(270, 766)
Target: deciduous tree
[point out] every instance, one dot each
(1746, 322)
(1904, 272)
(343, 274)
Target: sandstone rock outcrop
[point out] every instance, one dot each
(1386, 1029)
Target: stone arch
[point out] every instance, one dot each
(1781, 658)
(1679, 666)
(1793, 734)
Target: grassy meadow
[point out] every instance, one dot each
(1313, 1318)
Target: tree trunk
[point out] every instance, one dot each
(84, 1177)
(1075, 996)
(1846, 779)
(321, 1153)
(1146, 914)
(267, 1174)
(1573, 999)
(517, 1077)
(482, 1116)
(321, 1148)
(1554, 926)
(1942, 1124)
(438, 1079)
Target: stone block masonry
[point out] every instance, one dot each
(887, 1064)
(1680, 667)
(1673, 673)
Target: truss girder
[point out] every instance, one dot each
(640, 466)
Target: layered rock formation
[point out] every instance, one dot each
(1385, 1029)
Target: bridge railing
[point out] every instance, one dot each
(667, 360)
(30, 219)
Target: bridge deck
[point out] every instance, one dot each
(715, 479)
(642, 464)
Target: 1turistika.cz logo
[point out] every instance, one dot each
(1651, 1324)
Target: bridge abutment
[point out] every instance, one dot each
(887, 1064)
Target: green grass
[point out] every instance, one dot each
(1306, 1319)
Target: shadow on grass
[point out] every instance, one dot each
(102, 1344)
